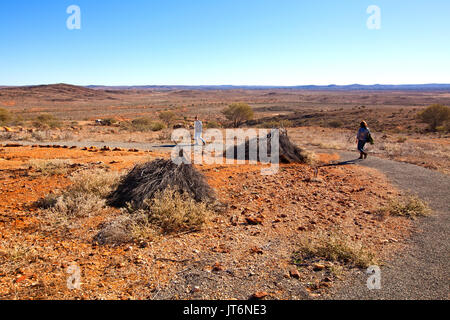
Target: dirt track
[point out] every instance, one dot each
(422, 271)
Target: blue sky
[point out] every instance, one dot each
(240, 42)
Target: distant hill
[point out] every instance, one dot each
(57, 91)
(352, 87)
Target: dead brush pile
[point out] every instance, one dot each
(145, 180)
(157, 198)
(288, 152)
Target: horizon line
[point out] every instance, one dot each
(232, 85)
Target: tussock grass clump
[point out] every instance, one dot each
(77, 205)
(85, 197)
(173, 212)
(168, 212)
(335, 247)
(144, 125)
(410, 206)
(145, 180)
(46, 121)
(98, 182)
(126, 228)
(5, 116)
(50, 167)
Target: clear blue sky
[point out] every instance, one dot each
(240, 42)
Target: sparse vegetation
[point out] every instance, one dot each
(169, 211)
(172, 211)
(435, 115)
(50, 167)
(238, 113)
(45, 121)
(213, 125)
(335, 247)
(85, 197)
(109, 121)
(410, 206)
(276, 124)
(5, 116)
(335, 124)
(146, 124)
(167, 117)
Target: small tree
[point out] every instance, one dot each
(237, 113)
(167, 117)
(5, 116)
(435, 115)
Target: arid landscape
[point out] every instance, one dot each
(298, 234)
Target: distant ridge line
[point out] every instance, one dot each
(352, 87)
(376, 87)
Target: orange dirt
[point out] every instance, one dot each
(287, 206)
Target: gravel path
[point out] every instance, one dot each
(421, 272)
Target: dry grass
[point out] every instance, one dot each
(173, 212)
(168, 212)
(50, 167)
(85, 197)
(410, 206)
(98, 182)
(125, 229)
(17, 256)
(335, 247)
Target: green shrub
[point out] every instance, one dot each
(238, 113)
(146, 124)
(435, 115)
(276, 124)
(5, 116)
(213, 125)
(167, 117)
(335, 124)
(109, 121)
(46, 121)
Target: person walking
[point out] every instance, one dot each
(198, 129)
(362, 138)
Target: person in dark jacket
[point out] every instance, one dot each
(363, 137)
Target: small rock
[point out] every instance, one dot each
(260, 295)
(217, 267)
(318, 266)
(256, 250)
(253, 220)
(293, 272)
(195, 289)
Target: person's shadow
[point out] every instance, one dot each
(342, 163)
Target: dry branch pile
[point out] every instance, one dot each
(288, 152)
(145, 180)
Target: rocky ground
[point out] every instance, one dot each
(247, 250)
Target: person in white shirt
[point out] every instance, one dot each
(198, 129)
